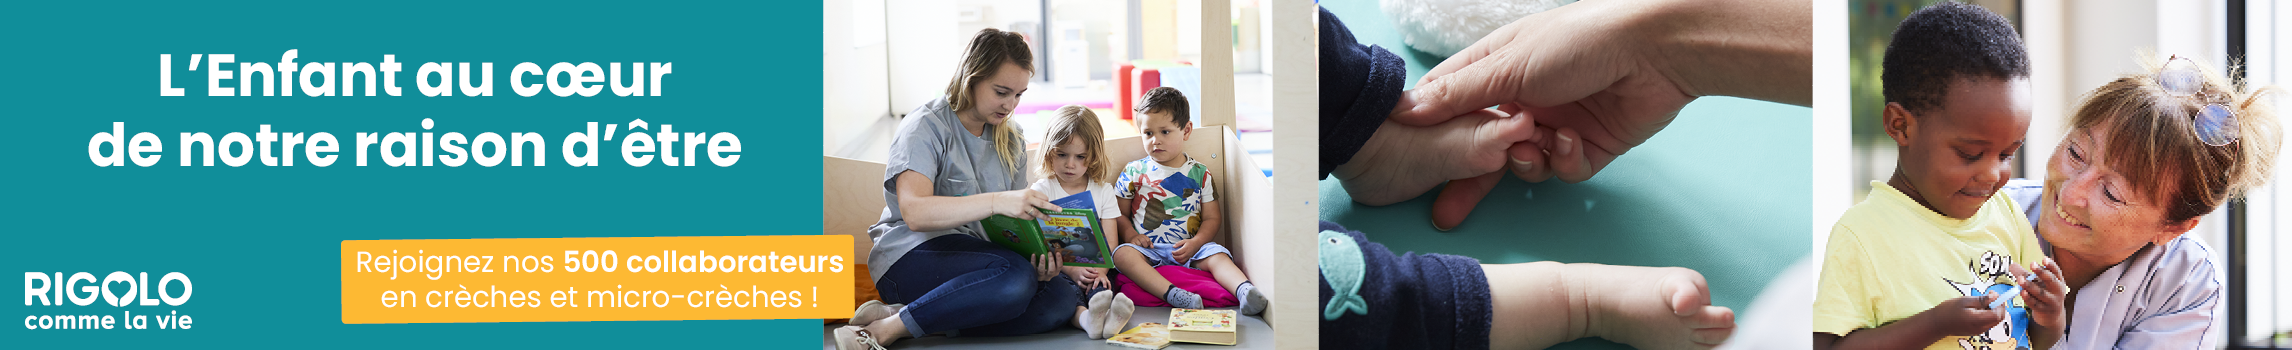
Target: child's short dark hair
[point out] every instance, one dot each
(1164, 100)
(1942, 44)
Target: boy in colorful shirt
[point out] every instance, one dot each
(1935, 257)
(1171, 214)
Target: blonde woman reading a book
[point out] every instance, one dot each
(954, 161)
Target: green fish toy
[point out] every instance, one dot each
(1342, 268)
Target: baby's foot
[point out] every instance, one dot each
(1651, 307)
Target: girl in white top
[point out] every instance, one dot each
(1076, 175)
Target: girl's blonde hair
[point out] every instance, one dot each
(986, 53)
(2152, 141)
(1075, 122)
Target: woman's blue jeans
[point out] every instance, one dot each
(961, 285)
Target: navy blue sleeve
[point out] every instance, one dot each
(1360, 84)
(1415, 301)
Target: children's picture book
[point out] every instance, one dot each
(1074, 232)
(1150, 336)
(1204, 326)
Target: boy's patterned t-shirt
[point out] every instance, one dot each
(1167, 201)
(1890, 258)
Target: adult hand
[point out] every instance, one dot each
(1024, 204)
(1565, 67)
(1046, 265)
(1603, 77)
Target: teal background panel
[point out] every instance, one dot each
(1724, 191)
(261, 243)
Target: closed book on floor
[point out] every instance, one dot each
(1204, 326)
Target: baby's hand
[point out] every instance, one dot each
(1962, 316)
(1142, 241)
(1400, 161)
(2044, 293)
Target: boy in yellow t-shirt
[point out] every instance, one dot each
(1934, 256)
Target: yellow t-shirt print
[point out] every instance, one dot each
(1889, 258)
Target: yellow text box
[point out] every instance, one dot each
(591, 279)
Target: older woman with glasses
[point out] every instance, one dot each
(2146, 157)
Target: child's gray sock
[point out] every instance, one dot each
(1252, 303)
(1182, 298)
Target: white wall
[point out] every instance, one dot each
(1290, 42)
(854, 91)
(1101, 20)
(2265, 57)
(925, 46)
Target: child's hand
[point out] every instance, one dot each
(1022, 204)
(1186, 249)
(1141, 240)
(1073, 274)
(1046, 266)
(1401, 161)
(2046, 296)
(1962, 316)
(1087, 277)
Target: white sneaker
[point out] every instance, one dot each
(874, 310)
(855, 338)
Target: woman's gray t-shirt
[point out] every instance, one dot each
(931, 141)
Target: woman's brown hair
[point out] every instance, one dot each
(2152, 141)
(1078, 123)
(987, 52)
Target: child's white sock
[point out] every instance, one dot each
(1182, 298)
(1118, 314)
(1251, 302)
(1093, 320)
